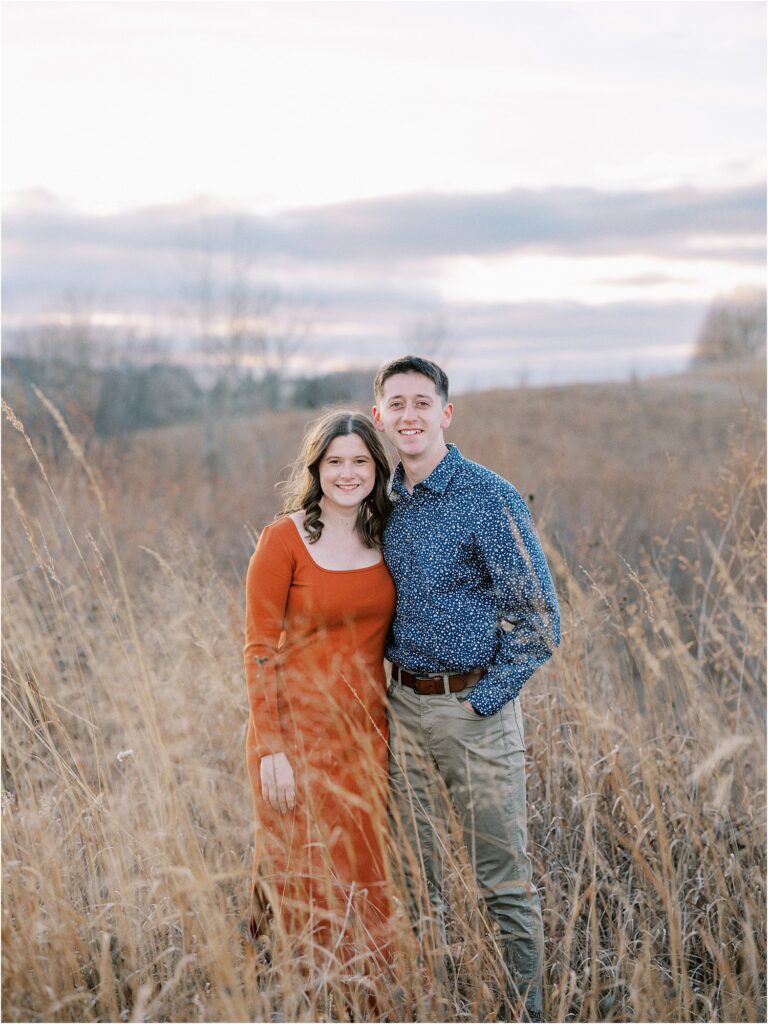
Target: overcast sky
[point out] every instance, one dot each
(565, 185)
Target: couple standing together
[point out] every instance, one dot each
(440, 571)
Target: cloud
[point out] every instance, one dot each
(500, 344)
(558, 220)
(365, 269)
(669, 223)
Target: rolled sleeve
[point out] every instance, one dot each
(528, 613)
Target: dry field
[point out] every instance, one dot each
(127, 828)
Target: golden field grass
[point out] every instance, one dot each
(127, 822)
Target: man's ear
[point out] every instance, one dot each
(447, 416)
(377, 419)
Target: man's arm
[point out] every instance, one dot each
(525, 597)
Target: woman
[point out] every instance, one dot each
(319, 601)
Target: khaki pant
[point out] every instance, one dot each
(481, 764)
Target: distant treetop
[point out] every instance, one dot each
(733, 329)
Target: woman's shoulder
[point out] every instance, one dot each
(282, 527)
(278, 535)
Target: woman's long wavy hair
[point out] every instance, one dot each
(302, 491)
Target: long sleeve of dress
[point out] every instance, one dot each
(266, 594)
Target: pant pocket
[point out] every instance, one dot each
(464, 694)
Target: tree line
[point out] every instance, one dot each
(106, 401)
(107, 390)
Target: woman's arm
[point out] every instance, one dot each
(266, 595)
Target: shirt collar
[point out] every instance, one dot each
(438, 479)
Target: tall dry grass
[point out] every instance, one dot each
(127, 827)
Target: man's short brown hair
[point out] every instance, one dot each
(412, 364)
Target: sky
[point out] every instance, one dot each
(554, 191)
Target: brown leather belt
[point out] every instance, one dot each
(448, 682)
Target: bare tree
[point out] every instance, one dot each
(246, 327)
(427, 336)
(61, 354)
(734, 328)
(249, 333)
(66, 335)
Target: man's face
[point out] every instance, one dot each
(411, 414)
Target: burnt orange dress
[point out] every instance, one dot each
(314, 650)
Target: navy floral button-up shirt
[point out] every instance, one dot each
(473, 586)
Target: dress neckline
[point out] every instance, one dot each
(322, 568)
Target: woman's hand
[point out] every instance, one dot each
(277, 783)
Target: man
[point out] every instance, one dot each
(476, 615)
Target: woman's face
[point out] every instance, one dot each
(347, 471)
